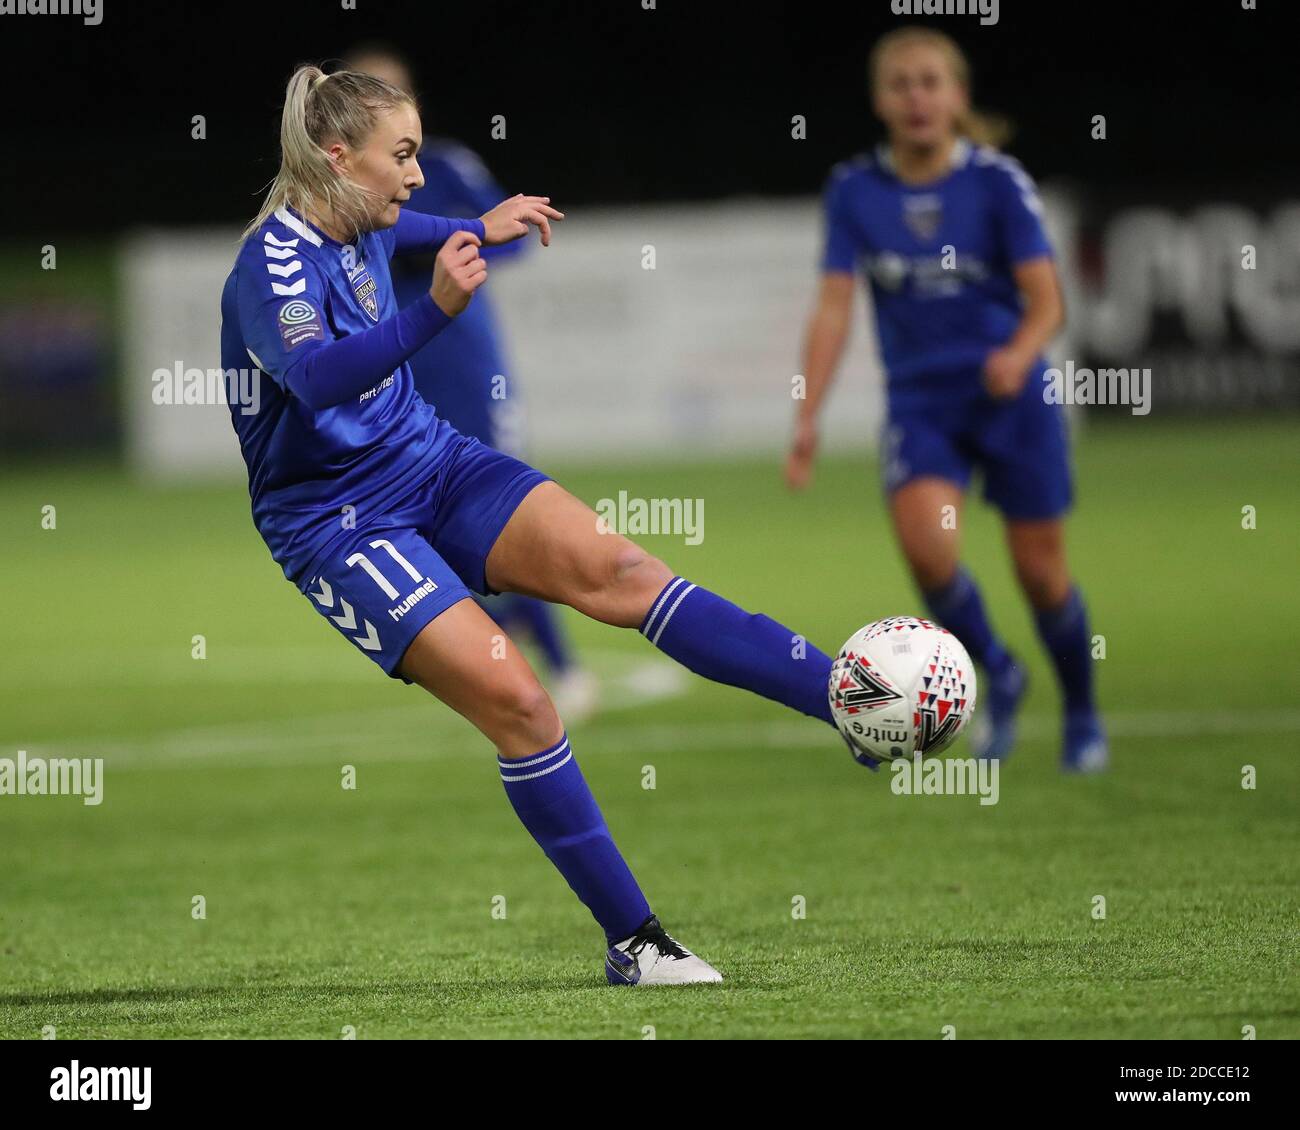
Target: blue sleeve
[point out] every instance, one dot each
(1019, 212)
(288, 337)
(415, 231)
(842, 242)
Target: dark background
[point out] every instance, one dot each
(606, 102)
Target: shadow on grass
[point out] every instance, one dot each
(265, 991)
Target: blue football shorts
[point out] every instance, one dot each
(398, 570)
(1020, 446)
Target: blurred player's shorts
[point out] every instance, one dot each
(1020, 445)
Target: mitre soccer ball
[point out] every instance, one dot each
(902, 686)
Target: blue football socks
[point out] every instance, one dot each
(716, 639)
(551, 798)
(959, 608)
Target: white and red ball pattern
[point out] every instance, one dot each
(902, 686)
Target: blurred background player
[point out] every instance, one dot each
(463, 372)
(949, 231)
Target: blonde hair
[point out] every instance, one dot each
(976, 125)
(320, 109)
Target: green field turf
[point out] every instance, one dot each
(373, 908)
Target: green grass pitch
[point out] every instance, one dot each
(372, 909)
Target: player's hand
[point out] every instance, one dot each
(510, 219)
(1005, 372)
(799, 463)
(458, 271)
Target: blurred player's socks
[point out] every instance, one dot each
(552, 799)
(1064, 632)
(722, 642)
(959, 608)
(540, 618)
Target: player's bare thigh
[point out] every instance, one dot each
(926, 514)
(554, 548)
(463, 658)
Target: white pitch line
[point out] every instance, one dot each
(415, 730)
(428, 733)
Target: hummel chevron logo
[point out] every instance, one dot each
(371, 642)
(347, 619)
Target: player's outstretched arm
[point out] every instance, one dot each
(416, 231)
(511, 219)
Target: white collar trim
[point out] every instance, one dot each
(290, 221)
(961, 154)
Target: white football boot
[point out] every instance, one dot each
(652, 957)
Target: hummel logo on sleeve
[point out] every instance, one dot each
(283, 249)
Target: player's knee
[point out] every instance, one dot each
(618, 586)
(1044, 580)
(631, 565)
(524, 718)
(636, 578)
(932, 573)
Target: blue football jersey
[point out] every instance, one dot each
(292, 289)
(938, 257)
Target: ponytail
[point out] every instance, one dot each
(320, 109)
(984, 128)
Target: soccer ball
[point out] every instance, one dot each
(901, 686)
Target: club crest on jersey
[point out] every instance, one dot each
(363, 286)
(923, 215)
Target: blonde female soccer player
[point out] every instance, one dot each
(385, 517)
(948, 233)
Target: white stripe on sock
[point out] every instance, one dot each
(540, 772)
(669, 614)
(663, 597)
(503, 762)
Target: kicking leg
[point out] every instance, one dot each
(554, 548)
